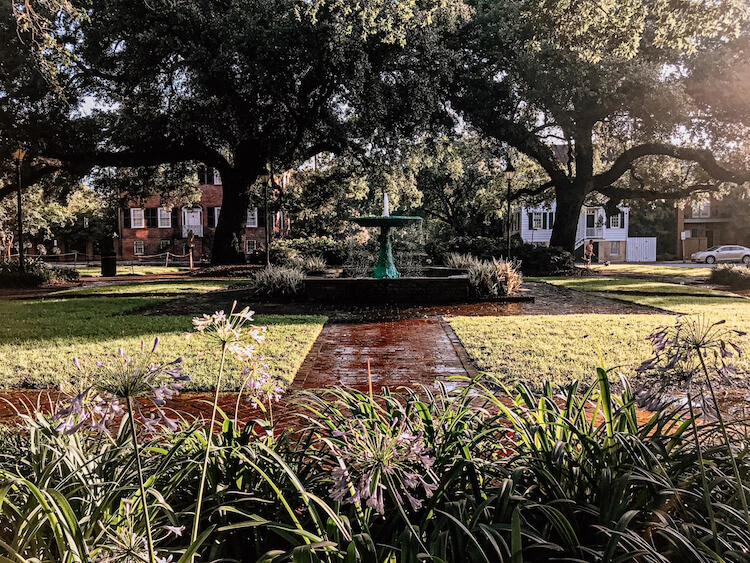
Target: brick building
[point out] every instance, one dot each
(146, 229)
(701, 225)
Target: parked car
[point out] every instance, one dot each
(724, 253)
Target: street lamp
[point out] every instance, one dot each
(509, 173)
(18, 155)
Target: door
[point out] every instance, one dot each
(192, 221)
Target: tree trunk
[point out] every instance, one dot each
(570, 197)
(229, 239)
(569, 203)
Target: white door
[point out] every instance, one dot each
(192, 221)
(640, 249)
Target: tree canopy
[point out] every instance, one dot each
(617, 84)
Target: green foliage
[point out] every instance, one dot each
(459, 261)
(334, 252)
(543, 260)
(498, 278)
(736, 277)
(278, 281)
(35, 274)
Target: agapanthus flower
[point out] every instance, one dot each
(374, 461)
(260, 384)
(117, 381)
(232, 331)
(686, 356)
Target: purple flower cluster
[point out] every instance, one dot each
(260, 384)
(126, 378)
(686, 356)
(374, 460)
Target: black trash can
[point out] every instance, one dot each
(109, 266)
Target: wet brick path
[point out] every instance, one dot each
(402, 352)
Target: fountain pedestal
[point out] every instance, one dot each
(386, 268)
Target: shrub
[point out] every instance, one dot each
(459, 261)
(543, 260)
(736, 277)
(333, 251)
(314, 264)
(278, 281)
(35, 274)
(498, 278)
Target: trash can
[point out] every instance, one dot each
(109, 266)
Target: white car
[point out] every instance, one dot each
(724, 253)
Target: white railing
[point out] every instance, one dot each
(594, 232)
(197, 230)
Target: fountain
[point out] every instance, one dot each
(385, 267)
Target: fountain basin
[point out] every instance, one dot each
(386, 220)
(385, 268)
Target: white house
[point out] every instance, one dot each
(610, 234)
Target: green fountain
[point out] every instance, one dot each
(385, 268)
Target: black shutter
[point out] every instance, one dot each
(151, 217)
(622, 219)
(531, 221)
(175, 217)
(209, 175)
(211, 216)
(544, 220)
(126, 219)
(551, 219)
(261, 218)
(609, 222)
(201, 174)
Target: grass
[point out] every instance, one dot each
(124, 270)
(38, 338)
(651, 270)
(162, 288)
(561, 348)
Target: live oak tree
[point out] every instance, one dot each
(626, 88)
(244, 86)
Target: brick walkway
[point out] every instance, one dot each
(402, 352)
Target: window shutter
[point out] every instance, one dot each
(209, 175)
(211, 217)
(622, 219)
(175, 217)
(551, 219)
(531, 221)
(201, 174)
(261, 218)
(544, 220)
(126, 219)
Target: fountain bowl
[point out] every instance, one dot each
(386, 220)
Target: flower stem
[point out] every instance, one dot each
(725, 434)
(209, 441)
(144, 502)
(704, 479)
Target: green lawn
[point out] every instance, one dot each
(123, 270)
(38, 338)
(651, 270)
(159, 288)
(561, 348)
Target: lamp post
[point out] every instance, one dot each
(18, 155)
(509, 173)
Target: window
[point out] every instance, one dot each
(702, 209)
(164, 243)
(138, 249)
(165, 218)
(252, 217)
(614, 222)
(614, 248)
(151, 214)
(250, 246)
(136, 218)
(216, 212)
(217, 177)
(537, 224)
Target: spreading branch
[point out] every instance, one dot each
(702, 157)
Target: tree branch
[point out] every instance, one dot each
(703, 157)
(618, 194)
